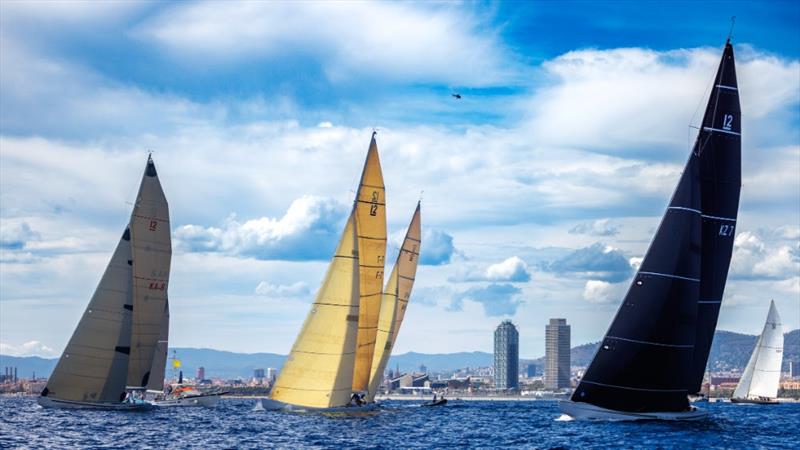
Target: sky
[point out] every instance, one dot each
(541, 187)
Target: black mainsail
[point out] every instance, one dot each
(655, 351)
(719, 148)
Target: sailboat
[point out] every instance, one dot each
(654, 354)
(761, 378)
(331, 358)
(395, 300)
(120, 340)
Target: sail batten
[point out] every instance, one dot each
(394, 301)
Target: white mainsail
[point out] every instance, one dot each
(761, 377)
(152, 253)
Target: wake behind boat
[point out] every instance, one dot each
(654, 354)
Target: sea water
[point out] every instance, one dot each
(397, 424)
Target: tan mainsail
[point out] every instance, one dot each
(152, 252)
(94, 365)
(394, 302)
(159, 365)
(319, 370)
(371, 228)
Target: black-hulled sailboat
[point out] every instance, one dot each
(119, 345)
(655, 351)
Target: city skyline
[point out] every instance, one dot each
(542, 184)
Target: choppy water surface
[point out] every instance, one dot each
(397, 425)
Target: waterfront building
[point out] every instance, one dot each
(556, 357)
(201, 373)
(506, 356)
(530, 371)
(258, 374)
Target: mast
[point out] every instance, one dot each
(718, 147)
(319, 370)
(94, 364)
(761, 377)
(370, 217)
(394, 301)
(152, 252)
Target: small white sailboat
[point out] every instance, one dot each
(115, 351)
(761, 377)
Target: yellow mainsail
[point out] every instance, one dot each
(319, 370)
(152, 251)
(370, 211)
(394, 302)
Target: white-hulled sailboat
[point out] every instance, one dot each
(395, 300)
(118, 343)
(761, 378)
(331, 358)
(655, 352)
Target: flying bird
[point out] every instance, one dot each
(456, 95)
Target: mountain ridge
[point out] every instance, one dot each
(729, 351)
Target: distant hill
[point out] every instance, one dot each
(729, 351)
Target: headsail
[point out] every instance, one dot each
(319, 370)
(94, 364)
(761, 377)
(394, 302)
(152, 252)
(159, 366)
(370, 208)
(718, 147)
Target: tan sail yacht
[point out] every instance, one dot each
(331, 358)
(119, 344)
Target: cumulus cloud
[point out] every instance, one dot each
(766, 254)
(496, 299)
(596, 261)
(437, 248)
(15, 236)
(413, 42)
(309, 230)
(600, 227)
(298, 289)
(512, 270)
(598, 291)
(30, 348)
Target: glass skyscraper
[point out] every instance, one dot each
(506, 356)
(556, 354)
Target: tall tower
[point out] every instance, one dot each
(506, 356)
(556, 357)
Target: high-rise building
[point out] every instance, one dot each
(530, 372)
(258, 374)
(506, 356)
(556, 354)
(271, 374)
(201, 373)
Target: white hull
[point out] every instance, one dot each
(209, 401)
(47, 402)
(586, 411)
(274, 405)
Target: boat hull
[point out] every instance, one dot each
(440, 402)
(274, 405)
(208, 401)
(47, 402)
(754, 401)
(587, 411)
